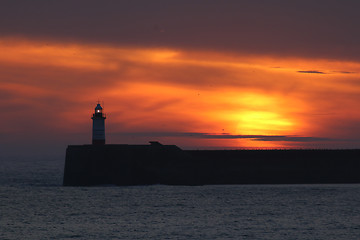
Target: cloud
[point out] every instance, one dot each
(275, 138)
(344, 72)
(174, 90)
(284, 28)
(312, 71)
(293, 139)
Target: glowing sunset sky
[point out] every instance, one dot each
(209, 74)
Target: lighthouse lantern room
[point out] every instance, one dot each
(98, 132)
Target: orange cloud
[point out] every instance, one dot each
(164, 90)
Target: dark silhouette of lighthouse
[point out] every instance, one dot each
(98, 132)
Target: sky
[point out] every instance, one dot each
(199, 74)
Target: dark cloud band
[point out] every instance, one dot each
(226, 136)
(311, 71)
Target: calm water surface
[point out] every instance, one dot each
(34, 205)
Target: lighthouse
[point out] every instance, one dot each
(98, 131)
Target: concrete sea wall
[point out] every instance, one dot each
(127, 165)
(87, 165)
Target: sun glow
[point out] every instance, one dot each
(263, 123)
(182, 90)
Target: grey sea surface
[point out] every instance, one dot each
(34, 205)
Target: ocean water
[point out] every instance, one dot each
(34, 205)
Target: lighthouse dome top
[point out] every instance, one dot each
(98, 107)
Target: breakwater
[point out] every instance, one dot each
(123, 164)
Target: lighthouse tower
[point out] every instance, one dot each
(98, 132)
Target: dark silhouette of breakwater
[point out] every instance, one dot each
(167, 164)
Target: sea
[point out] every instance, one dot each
(35, 205)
